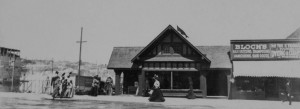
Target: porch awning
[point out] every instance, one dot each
(287, 68)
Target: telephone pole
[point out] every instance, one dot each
(79, 63)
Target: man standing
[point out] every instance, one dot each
(288, 90)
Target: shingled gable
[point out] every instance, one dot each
(161, 35)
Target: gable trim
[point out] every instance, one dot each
(156, 38)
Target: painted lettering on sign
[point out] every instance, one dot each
(266, 50)
(250, 46)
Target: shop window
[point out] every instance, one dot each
(165, 80)
(180, 80)
(248, 84)
(295, 84)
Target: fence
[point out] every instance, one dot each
(36, 86)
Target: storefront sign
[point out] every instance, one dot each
(265, 49)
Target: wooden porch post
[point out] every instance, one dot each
(229, 93)
(141, 82)
(117, 84)
(203, 84)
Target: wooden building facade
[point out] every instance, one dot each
(261, 68)
(173, 58)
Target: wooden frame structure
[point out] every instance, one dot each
(171, 56)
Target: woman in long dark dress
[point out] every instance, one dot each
(191, 94)
(56, 82)
(157, 95)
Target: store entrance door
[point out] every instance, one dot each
(271, 88)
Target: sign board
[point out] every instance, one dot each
(265, 49)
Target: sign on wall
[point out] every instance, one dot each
(265, 49)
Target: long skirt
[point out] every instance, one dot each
(68, 93)
(56, 89)
(156, 96)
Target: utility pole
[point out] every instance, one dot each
(79, 63)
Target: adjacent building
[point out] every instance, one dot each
(10, 64)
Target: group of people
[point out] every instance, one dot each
(62, 86)
(97, 87)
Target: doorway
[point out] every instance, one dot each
(217, 83)
(271, 88)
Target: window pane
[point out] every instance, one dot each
(166, 49)
(177, 48)
(180, 80)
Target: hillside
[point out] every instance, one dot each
(44, 68)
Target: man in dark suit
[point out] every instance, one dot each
(288, 90)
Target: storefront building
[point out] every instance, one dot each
(173, 58)
(261, 68)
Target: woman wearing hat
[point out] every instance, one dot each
(157, 95)
(56, 82)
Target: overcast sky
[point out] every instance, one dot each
(45, 29)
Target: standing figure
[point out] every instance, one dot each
(95, 86)
(288, 95)
(69, 86)
(55, 83)
(146, 90)
(47, 86)
(108, 86)
(191, 94)
(63, 85)
(157, 95)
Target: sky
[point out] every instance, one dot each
(46, 29)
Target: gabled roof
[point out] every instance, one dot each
(121, 56)
(295, 34)
(161, 35)
(217, 54)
